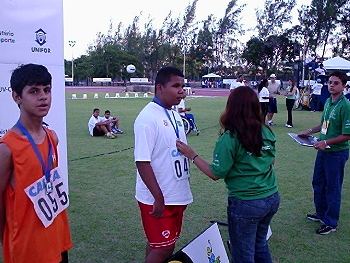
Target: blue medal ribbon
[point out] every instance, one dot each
(176, 128)
(45, 168)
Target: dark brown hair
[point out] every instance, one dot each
(243, 118)
(292, 85)
(341, 75)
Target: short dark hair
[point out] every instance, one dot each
(165, 73)
(341, 75)
(107, 111)
(29, 74)
(96, 109)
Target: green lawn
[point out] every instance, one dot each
(104, 215)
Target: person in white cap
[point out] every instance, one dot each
(273, 88)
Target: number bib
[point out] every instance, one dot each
(47, 206)
(180, 164)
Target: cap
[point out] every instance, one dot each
(272, 76)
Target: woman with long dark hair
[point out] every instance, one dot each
(244, 157)
(290, 101)
(263, 94)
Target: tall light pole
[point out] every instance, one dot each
(184, 66)
(184, 50)
(72, 43)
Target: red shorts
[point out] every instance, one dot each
(162, 231)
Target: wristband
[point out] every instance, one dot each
(194, 158)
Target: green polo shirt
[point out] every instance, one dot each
(247, 176)
(338, 115)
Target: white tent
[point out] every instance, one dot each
(337, 63)
(211, 75)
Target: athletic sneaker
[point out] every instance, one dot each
(289, 126)
(117, 131)
(325, 230)
(110, 135)
(314, 217)
(270, 123)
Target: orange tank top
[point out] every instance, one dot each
(25, 238)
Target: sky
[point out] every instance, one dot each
(83, 19)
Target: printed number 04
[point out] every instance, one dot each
(178, 167)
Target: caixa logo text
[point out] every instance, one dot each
(40, 38)
(5, 89)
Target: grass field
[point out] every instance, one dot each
(104, 215)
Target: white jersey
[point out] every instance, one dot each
(273, 87)
(155, 142)
(111, 124)
(92, 122)
(264, 93)
(182, 106)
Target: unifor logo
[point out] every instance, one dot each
(40, 37)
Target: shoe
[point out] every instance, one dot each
(270, 123)
(325, 230)
(314, 217)
(110, 135)
(289, 126)
(117, 131)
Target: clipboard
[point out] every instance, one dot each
(308, 141)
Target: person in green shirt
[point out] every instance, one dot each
(332, 154)
(244, 157)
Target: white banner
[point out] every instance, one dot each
(139, 80)
(32, 32)
(101, 80)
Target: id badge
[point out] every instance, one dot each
(324, 128)
(180, 165)
(49, 199)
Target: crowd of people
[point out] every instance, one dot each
(244, 157)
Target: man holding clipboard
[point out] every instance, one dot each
(333, 152)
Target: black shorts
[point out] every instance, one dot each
(272, 105)
(97, 132)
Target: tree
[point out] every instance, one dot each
(318, 21)
(255, 52)
(228, 27)
(271, 53)
(275, 14)
(344, 24)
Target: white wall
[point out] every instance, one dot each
(20, 44)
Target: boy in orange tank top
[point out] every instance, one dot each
(33, 193)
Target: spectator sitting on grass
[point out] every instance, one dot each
(114, 122)
(99, 127)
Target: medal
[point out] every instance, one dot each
(49, 188)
